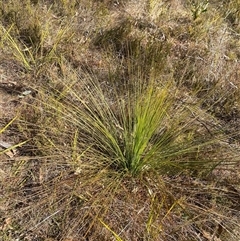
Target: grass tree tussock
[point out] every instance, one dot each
(126, 124)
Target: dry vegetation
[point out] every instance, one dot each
(119, 120)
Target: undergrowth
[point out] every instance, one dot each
(129, 126)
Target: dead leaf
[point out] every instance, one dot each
(6, 145)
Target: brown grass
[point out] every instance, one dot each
(71, 69)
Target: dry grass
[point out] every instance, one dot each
(127, 120)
